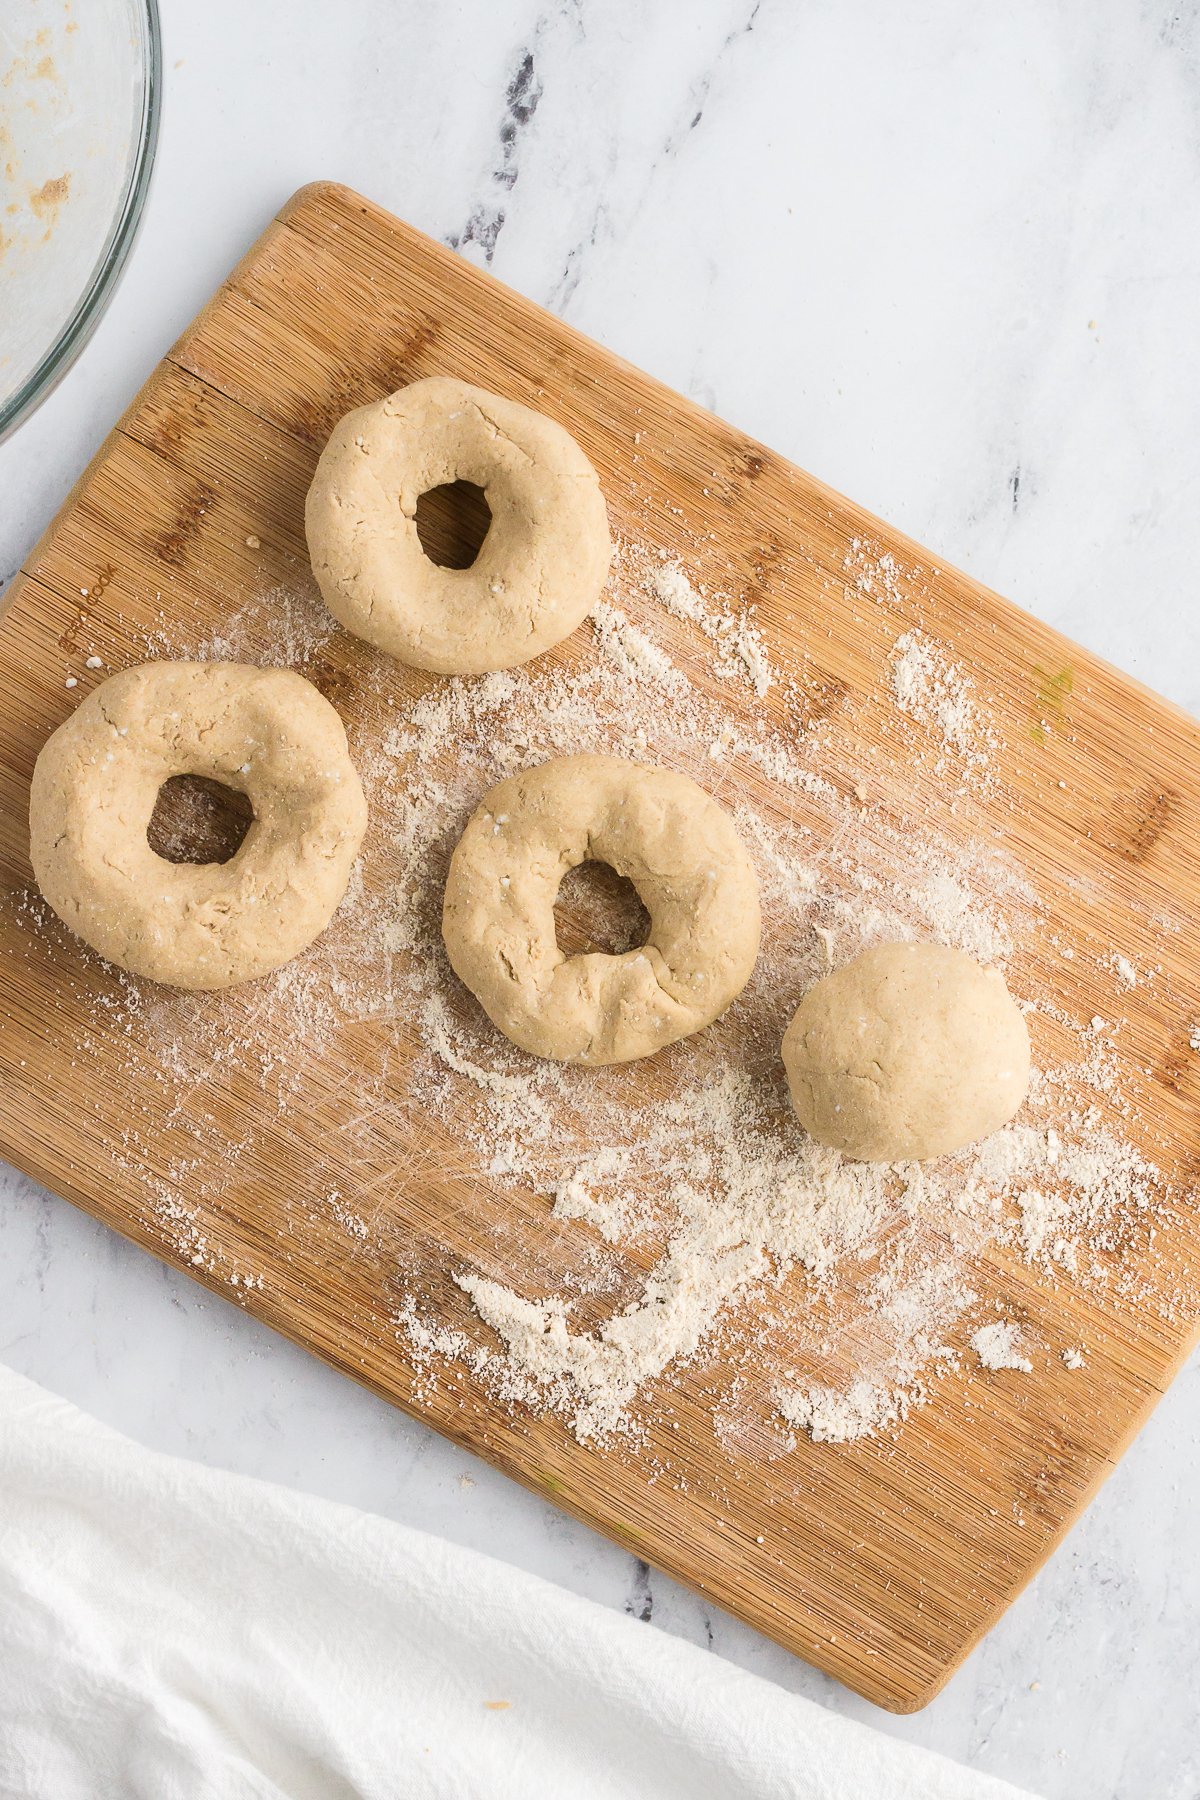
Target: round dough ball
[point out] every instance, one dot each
(682, 854)
(540, 567)
(265, 732)
(909, 1051)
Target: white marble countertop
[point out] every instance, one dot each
(946, 258)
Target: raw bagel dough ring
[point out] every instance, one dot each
(542, 563)
(661, 831)
(267, 732)
(908, 1051)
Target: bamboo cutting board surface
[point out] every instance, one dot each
(882, 1560)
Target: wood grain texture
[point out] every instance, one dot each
(882, 1562)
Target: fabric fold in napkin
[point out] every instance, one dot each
(169, 1631)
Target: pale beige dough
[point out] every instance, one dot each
(540, 567)
(909, 1051)
(267, 732)
(670, 839)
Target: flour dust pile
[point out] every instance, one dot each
(665, 1220)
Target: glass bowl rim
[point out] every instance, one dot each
(89, 309)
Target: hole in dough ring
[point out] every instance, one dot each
(266, 732)
(661, 831)
(542, 563)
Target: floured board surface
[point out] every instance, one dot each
(638, 1290)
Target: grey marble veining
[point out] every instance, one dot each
(949, 259)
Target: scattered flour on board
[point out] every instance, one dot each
(876, 575)
(631, 651)
(997, 1347)
(934, 691)
(1127, 973)
(740, 649)
(831, 1417)
(653, 1215)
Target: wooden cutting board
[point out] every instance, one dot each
(881, 1561)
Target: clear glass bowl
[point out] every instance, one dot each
(79, 98)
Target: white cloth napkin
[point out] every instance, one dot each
(168, 1631)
